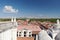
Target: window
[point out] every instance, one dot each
(29, 35)
(25, 33)
(29, 32)
(17, 34)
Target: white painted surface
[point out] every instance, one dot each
(14, 34)
(10, 34)
(44, 36)
(22, 34)
(5, 35)
(55, 33)
(28, 32)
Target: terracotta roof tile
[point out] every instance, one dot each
(30, 27)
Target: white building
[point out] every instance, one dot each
(24, 33)
(8, 30)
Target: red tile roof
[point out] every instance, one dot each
(30, 27)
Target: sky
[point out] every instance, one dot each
(30, 8)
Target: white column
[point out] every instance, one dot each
(19, 33)
(27, 35)
(36, 37)
(22, 33)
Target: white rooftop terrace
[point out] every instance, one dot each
(8, 25)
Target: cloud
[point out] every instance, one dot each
(9, 9)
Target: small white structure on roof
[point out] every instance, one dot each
(58, 23)
(24, 33)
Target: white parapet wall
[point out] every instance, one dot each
(5, 35)
(10, 34)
